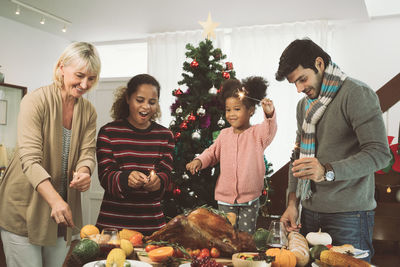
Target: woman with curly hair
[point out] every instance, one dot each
(134, 155)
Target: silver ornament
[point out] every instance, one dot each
(172, 123)
(185, 176)
(196, 135)
(179, 110)
(201, 111)
(213, 90)
(221, 122)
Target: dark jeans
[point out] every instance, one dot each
(355, 228)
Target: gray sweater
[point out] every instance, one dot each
(351, 136)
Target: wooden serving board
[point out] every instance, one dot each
(142, 256)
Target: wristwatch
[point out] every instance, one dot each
(329, 173)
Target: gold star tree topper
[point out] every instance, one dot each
(209, 27)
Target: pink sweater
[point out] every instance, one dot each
(241, 158)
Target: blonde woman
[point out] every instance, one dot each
(55, 156)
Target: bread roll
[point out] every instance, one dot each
(299, 246)
(337, 259)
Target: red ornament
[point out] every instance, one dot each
(226, 75)
(177, 135)
(228, 66)
(264, 192)
(191, 117)
(194, 64)
(183, 125)
(178, 92)
(177, 191)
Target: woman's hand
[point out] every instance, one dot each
(136, 179)
(153, 183)
(268, 107)
(81, 181)
(61, 213)
(194, 166)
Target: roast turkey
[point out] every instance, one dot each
(204, 229)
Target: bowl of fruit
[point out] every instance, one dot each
(251, 259)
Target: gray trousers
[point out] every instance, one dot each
(246, 216)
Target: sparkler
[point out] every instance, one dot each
(242, 94)
(152, 172)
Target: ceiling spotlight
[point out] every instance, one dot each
(64, 29)
(42, 20)
(17, 11)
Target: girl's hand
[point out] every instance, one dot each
(153, 183)
(193, 166)
(268, 107)
(136, 179)
(81, 181)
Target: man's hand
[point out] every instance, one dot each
(308, 168)
(289, 218)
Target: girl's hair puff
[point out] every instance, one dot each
(254, 86)
(120, 107)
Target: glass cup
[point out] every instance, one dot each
(277, 235)
(108, 240)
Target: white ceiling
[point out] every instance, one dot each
(111, 20)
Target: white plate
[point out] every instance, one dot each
(360, 254)
(132, 262)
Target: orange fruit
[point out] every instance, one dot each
(89, 230)
(127, 234)
(137, 240)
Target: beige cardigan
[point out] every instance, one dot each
(38, 157)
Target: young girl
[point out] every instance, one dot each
(134, 156)
(240, 151)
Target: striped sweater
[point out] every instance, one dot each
(121, 149)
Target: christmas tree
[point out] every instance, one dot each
(198, 118)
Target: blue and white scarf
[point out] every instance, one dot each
(315, 108)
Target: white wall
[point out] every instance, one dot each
(27, 55)
(370, 51)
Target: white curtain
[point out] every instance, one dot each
(256, 51)
(253, 51)
(166, 54)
